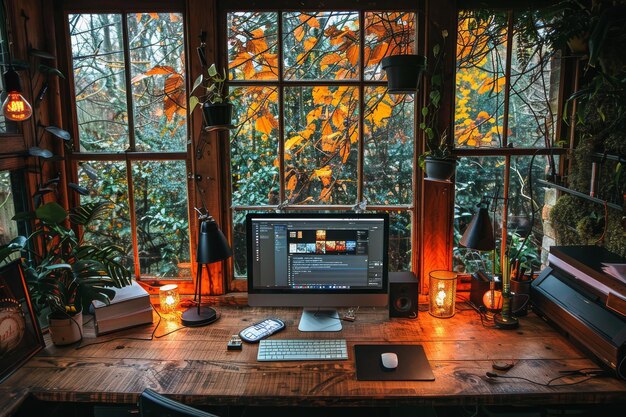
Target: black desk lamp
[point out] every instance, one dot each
(212, 247)
(479, 236)
(479, 233)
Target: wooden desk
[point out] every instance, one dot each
(192, 365)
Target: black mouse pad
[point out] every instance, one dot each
(412, 363)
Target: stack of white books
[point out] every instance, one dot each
(130, 307)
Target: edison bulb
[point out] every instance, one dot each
(492, 299)
(16, 108)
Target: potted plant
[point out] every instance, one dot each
(404, 69)
(64, 273)
(404, 72)
(216, 108)
(437, 160)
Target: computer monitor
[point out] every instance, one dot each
(317, 260)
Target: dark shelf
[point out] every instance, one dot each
(579, 194)
(597, 156)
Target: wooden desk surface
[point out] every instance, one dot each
(192, 365)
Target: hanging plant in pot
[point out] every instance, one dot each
(62, 272)
(437, 161)
(216, 109)
(404, 72)
(404, 69)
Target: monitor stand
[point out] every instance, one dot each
(318, 320)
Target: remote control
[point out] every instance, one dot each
(261, 330)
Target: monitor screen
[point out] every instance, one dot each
(317, 259)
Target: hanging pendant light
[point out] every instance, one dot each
(15, 107)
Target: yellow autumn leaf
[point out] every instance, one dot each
(294, 141)
(264, 124)
(344, 152)
(309, 43)
(482, 115)
(299, 33)
(338, 118)
(353, 54)
(323, 172)
(292, 182)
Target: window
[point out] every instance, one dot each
(130, 148)
(8, 228)
(316, 129)
(507, 83)
(4, 59)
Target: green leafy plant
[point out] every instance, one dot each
(63, 272)
(211, 88)
(437, 144)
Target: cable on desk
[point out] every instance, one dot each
(588, 373)
(152, 335)
(482, 314)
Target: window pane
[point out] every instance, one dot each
(158, 81)
(321, 135)
(389, 141)
(8, 227)
(534, 89)
(106, 181)
(482, 177)
(400, 241)
(253, 46)
(480, 81)
(240, 256)
(99, 81)
(387, 33)
(254, 147)
(321, 45)
(162, 218)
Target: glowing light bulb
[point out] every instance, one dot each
(441, 295)
(169, 298)
(16, 108)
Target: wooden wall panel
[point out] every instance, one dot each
(437, 237)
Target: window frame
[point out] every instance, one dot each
(280, 6)
(73, 157)
(565, 88)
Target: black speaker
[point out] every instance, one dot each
(403, 288)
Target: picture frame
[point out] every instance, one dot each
(20, 334)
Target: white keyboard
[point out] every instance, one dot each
(302, 350)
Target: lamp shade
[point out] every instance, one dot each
(479, 233)
(212, 244)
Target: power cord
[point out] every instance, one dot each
(587, 373)
(152, 335)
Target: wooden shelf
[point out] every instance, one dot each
(581, 195)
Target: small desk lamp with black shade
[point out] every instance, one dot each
(479, 236)
(212, 247)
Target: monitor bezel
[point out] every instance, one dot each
(299, 215)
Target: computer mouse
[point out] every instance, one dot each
(389, 359)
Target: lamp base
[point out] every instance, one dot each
(505, 323)
(193, 318)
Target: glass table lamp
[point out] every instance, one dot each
(169, 298)
(442, 293)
